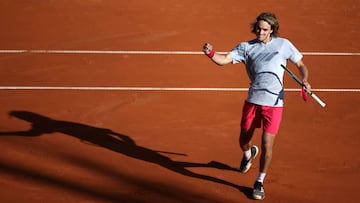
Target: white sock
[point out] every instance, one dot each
(261, 177)
(247, 154)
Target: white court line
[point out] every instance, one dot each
(158, 89)
(152, 52)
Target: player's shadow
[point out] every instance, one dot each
(118, 143)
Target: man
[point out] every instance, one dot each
(262, 57)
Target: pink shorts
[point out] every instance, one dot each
(254, 114)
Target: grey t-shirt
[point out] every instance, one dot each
(263, 66)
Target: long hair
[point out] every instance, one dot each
(269, 18)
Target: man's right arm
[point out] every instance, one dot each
(219, 59)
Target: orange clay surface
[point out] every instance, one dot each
(169, 146)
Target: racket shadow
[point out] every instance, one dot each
(119, 143)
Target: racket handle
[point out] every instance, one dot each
(318, 100)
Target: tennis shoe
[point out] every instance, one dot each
(246, 164)
(258, 192)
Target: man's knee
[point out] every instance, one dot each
(268, 141)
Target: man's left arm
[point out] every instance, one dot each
(304, 73)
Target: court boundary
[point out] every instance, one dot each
(39, 51)
(216, 89)
(152, 52)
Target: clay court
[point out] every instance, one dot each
(113, 101)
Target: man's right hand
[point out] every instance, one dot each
(207, 48)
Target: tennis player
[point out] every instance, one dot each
(262, 57)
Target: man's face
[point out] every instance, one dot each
(263, 31)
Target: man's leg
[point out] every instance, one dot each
(245, 139)
(249, 121)
(250, 152)
(266, 151)
(265, 160)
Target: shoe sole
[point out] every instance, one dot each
(257, 197)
